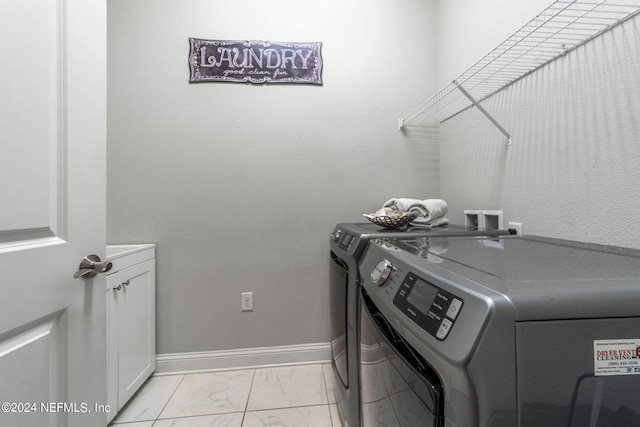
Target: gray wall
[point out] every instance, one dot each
(572, 171)
(240, 185)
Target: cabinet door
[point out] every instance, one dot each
(136, 328)
(113, 281)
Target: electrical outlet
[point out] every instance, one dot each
(516, 226)
(247, 301)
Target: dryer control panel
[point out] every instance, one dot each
(433, 309)
(436, 311)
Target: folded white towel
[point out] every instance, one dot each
(429, 211)
(400, 204)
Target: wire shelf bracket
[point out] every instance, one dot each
(483, 111)
(563, 26)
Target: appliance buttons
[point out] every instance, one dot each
(454, 308)
(444, 329)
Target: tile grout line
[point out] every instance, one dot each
(326, 393)
(246, 405)
(169, 399)
(153, 420)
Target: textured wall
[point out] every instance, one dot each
(572, 171)
(240, 185)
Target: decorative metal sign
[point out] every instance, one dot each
(255, 61)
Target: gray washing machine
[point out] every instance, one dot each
(499, 332)
(347, 243)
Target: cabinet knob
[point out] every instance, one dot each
(125, 283)
(117, 288)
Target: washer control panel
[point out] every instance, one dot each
(433, 309)
(343, 239)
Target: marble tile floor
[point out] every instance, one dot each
(284, 396)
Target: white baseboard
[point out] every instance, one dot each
(174, 363)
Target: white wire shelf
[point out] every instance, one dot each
(561, 27)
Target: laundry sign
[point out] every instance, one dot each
(255, 61)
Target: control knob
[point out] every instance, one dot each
(381, 272)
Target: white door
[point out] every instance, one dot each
(52, 212)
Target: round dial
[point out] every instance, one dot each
(381, 272)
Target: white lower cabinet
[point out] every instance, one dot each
(130, 322)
